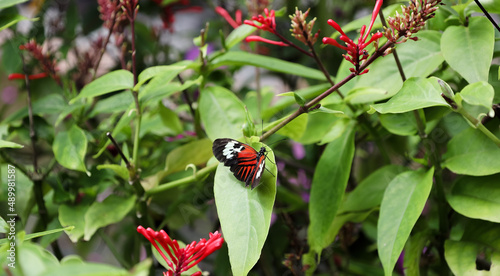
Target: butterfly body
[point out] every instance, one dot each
(244, 161)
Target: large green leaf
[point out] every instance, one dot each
(270, 63)
(73, 215)
(222, 113)
(416, 93)
(469, 50)
(197, 152)
(461, 258)
(112, 81)
(403, 202)
(111, 210)
(32, 259)
(245, 214)
(472, 153)
(8, 3)
(477, 197)
(369, 193)
(70, 147)
(418, 58)
(7, 144)
(328, 188)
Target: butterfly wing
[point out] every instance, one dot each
(244, 161)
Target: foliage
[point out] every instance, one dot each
(380, 161)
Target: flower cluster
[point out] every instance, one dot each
(356, 52)
(111, 13)
(301, 30)
(181, 259)
(236, 22)
(411, 20)
(267, 23)
(47, 63)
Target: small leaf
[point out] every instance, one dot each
(113, 81)
(222, 113)
(243, 58)
(472, 153)
(479, 93)
(403, 202)
(469, 50)
(12, 145)
(7, 20)
(111, 210)
(197, 152)
(245, 214)
(9, 3)
(166, 73)
(70, 147)
(416, 93)
(73, 215)
(477, 197)
(119, 170)
(170, 119)
(328, 187)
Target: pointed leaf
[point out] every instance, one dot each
(245, 214)
(403, 202)
(121, 171)
(238, 35)
(416, 93)
(7, 144)
(479, 94)
(243, 58)
(111, 210)
(472, 153)
(328, 188)
(469, 50)
(222, 113)
(70, 147)
(73, 215)
(477, 197)
(113, 81)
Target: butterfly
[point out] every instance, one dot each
(244, 161)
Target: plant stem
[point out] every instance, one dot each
(103, 49)
(479, 125)
(186, 180)
(113, 249)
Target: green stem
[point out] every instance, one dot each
(475, 122)
(113, 249)
(180, 182)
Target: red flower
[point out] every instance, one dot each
(18, 76)
(267, 23)
(236, 22)
(356, 52)
(182, 259)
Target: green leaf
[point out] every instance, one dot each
(369, 193)
(479, 94)
(36, 260)
(7, 20)
(416, 93)
(318, 125)
(9, 3)
(403, 124)
(335, 131)
(116, 103)
(70, 147)
(73, 215)
(469, 50)
(461, 258)
(170, 119)
(197, 152)
(477, 197)
(113, 81)
(243, 58)
(158, 89)
(111, 210)
(119, 170)
(295, 129)
(167, 72)
(222, 113)
(418, 58)
(472, 153)
(12, 145)
(238, 35)
(85, 269)
(362, 95)
(245, 214)
(413, 252)
(328, 187)
(403, 202)
(39, 234)
(50, 104)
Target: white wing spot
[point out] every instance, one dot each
(230, 149)
(259, 172)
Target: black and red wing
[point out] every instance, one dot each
(244, 161)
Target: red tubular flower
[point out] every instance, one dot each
(18, 76)
(251, 38)
(235, 23)
(182, 259)
(356, 52)
(267, 23)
